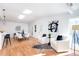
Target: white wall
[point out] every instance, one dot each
(42, 25)
(10, 26)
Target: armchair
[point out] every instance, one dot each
(60, 45)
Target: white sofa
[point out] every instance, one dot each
(43, 40)
(60, 46)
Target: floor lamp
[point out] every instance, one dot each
(75, 27)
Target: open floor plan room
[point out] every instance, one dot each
(39, 29)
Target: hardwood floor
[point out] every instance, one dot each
(24, 48)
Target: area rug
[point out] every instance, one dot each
(42, 46)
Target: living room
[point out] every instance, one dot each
(33, 29)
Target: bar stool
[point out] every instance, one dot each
(6, 40)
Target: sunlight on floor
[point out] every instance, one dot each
(69, 53)
(41, 54)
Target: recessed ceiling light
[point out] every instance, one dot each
(21, 16)
(27, 11)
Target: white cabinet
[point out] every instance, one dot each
(1, 40)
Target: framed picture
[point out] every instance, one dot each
(53, 26)
(18, 28)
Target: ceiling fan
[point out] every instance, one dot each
(71, 8)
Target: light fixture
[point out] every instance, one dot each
(71, 8)
(21, 16)
(3, 16)
(27, 11)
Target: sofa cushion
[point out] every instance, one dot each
(59, 37)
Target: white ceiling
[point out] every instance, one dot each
(13, 10)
